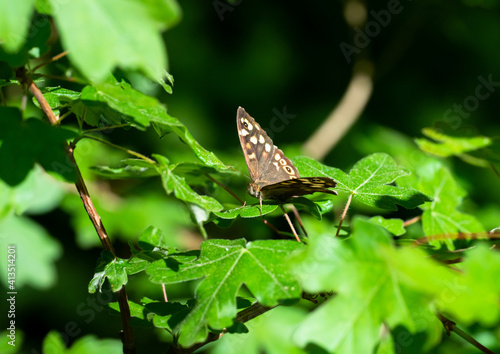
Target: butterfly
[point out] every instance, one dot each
(273, 175)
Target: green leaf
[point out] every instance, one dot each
(376, 284)
(149, 313)
(132, 168)
(140, 110)
(29, 141)
(268, 333)
(36, 251)
(247, 211)
(152, 238)
(56, 97)
(129, 31)
(207, 157)
(449, 145)
(394, 226)
(368, 181)
(15, 20)
(200, 216)
(225, 265)
(166, 314)
(54, 344)
(176, 184)
(475, 295)
(441, 217)
(35, 43)
(37, 194)
(111, 268)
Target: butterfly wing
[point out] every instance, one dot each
(266, 163)
(285, 190)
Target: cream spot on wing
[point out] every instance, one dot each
(277, 157)
(277, 166)
(249, 126)
(261, 139)
(251, 156)
(257, 126)
(244, 132)
(268, 147)
(248, 146)
(294, 177)
(253, 140)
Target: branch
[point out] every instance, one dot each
(127, 333)
(451, 326)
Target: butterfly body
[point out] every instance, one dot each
(273, 175)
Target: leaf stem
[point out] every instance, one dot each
(495, 170)
(297, 216)
(225, 188)
(344, 213)
(164, 290)
(107, 127)
(53, 59)
(128, 151)
(290, 223)
(412, 221)
(451, 326)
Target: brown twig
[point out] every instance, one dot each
(412, 221)
(51, 60)
(127, 333)
(457, 236)
(344, 213)
(451, 326)
(290, 223)
(63, 78)
(128, 151)
(225, 188)
(299, 220)
(164, 290)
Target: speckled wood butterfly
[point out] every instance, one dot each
(273, 175)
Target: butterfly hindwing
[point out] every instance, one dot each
(284, 190)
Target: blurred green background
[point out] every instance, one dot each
(266, 57)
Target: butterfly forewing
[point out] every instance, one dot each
(273, 175)
(266, 163)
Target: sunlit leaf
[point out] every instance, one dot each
(368, 181)
(224, 266)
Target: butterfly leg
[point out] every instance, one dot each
(260, 199)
